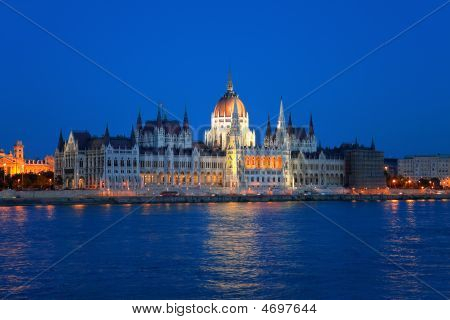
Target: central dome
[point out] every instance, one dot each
(225, 106)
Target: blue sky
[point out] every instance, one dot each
(178, 53)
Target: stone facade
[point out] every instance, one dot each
(162, 153)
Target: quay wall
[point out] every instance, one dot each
(93, 198)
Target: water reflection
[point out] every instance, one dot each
(17, 214)
(411, 214)
(79, 208)
(13, 249)
(391, 206)
(232, 248)
(250, 248)
(50, 211)
(401, 243)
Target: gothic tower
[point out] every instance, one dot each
(281, 127)
(233, 151)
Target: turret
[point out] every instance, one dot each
(311, 126)
(233, 169)
(289, 128)
(106, 137)
(233, 138)
(60, 141)
(18, 150)
(133, 136)
(281, 125)
(235, 127)
(139, 121)
(185, 120)
(372, 146)
(158, 118)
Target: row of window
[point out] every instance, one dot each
(122, 162)
(315, 166)
(123, 171)
(181, 164)
(262, 172)
(263, 179)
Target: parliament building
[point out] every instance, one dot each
(161, 153)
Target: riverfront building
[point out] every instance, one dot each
(162, 152)
(364, 168)
(14, 162)
(427, 167)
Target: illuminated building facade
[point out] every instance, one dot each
(427, 167)
(14, 162)
(86, 161)
(222, 117)
(162, 153)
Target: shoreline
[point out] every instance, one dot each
(136, 199)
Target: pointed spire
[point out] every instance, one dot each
(230, 81)
(185, 119)
(356, 143)
(235, 118)
(290, 129)
(60, 141)
(311, 125)
(268, 129)
(158, 118)
(132, 135)
(281, 125)
(372, 146)
(139, 121)
(106, 137)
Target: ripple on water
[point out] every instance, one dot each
(228, 250)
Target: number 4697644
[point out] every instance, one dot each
(288, 308)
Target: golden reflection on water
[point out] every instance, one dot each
(232, 245)
(106, 208)
(78, 208)
(235, 255)
(17, 214)
(50, 209)
(391, 206)
(410, 210)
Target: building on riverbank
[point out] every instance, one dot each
(14, 162)
(425, 167)
(363, 166)
(161, 152)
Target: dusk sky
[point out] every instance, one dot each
(179, 52)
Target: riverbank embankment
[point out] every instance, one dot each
(89, 198)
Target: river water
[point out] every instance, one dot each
(291, 250)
